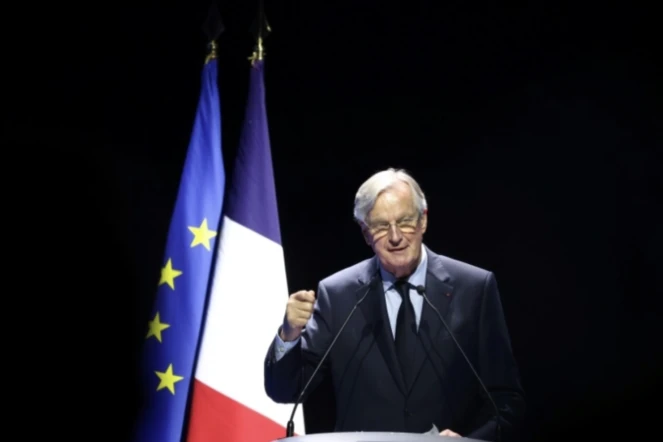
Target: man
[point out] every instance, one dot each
(395, 367)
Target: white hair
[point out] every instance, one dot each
(371, 189)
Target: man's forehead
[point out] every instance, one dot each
(392, 211)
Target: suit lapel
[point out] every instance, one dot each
(440, 292)
(374, 309)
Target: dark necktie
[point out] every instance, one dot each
(405, 326)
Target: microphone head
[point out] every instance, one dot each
(420, 289)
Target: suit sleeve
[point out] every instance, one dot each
(286, 376)
(498, 370)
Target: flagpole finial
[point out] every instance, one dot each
(211, 51)
(260, 30)
(258, 52)
(212, 27)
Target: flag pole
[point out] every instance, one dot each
(169, 356)
(212, 28)
(261, 30)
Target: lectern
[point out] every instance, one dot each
(373, 436)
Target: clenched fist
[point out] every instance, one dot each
(297, 314)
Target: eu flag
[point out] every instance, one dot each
(174, 327)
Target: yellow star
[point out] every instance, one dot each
(168, 274)
(156, 327)
(168, 379)
(202, 235)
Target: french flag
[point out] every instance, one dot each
(247, 299)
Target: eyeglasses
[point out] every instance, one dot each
(407, 224)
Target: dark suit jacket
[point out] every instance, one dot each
(370, 394)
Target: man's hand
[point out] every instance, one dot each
(448, 432)
(297, 314)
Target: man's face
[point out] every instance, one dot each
(395, 231)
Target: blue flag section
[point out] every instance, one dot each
(174, 327)
(252, 197)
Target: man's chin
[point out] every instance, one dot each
(399, 268)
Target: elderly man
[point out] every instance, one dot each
(395, 366)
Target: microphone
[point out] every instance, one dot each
(498, 432)
(290, 428)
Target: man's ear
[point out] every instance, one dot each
(424, 221)
(367, 235)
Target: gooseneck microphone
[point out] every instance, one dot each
(498, 433)
(290, 428)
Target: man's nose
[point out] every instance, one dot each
(395, 235)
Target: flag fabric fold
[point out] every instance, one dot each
(248, 295)
(175, 324)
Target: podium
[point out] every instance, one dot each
(374, 436)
